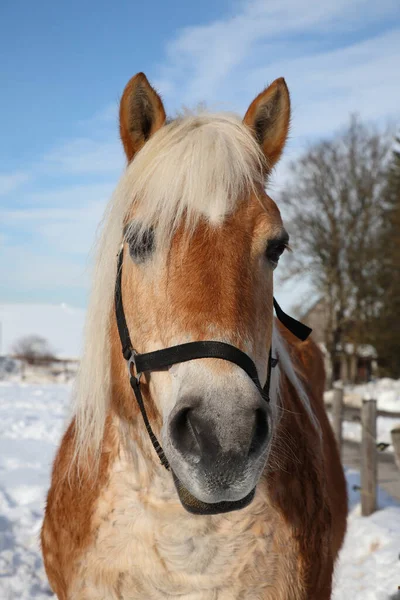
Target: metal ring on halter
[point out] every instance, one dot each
(131, 361)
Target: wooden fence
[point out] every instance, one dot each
(367, 414)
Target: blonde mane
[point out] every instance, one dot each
(197, 167)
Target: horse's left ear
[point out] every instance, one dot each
(269, 116)
(141, 113)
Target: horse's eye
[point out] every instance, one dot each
(141, 246)
(274, 251)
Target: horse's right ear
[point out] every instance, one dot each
(268, 116)
(141, 113)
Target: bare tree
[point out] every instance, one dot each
(33, 349)
(335, 215)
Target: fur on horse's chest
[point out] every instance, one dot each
(146, 546)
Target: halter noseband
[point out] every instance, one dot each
(161, 359)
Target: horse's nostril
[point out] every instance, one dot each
(197, 437)
(182, 433)
(260, 432)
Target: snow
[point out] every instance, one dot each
(385, 391)
(32, 419)
(369, 562)
(31, 422)
(61, 325)
(384, 425)
(387, 394)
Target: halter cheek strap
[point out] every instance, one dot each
(161, 359)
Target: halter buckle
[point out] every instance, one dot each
(131, 362)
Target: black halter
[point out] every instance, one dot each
(160, 359)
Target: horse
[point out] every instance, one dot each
(218, 476)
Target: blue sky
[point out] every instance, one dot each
(63, 69)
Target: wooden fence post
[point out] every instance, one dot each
(368, 457)
(395, 433)
(337, 416)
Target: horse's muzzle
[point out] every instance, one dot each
(217, 453)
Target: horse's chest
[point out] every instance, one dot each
(146, 553)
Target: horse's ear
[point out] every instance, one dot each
(141, 113)
(269, 116)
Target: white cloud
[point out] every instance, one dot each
(66, 219)
(86, 156)
(48, 233)
(331, 72)
(51, 249)
(105, 116)
(328, 87)
(33, 270)
(11, 181)
(204, 61)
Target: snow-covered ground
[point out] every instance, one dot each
(385, 391)
(32, 419)
(352, 431)
(387, 394)
(369, 563)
